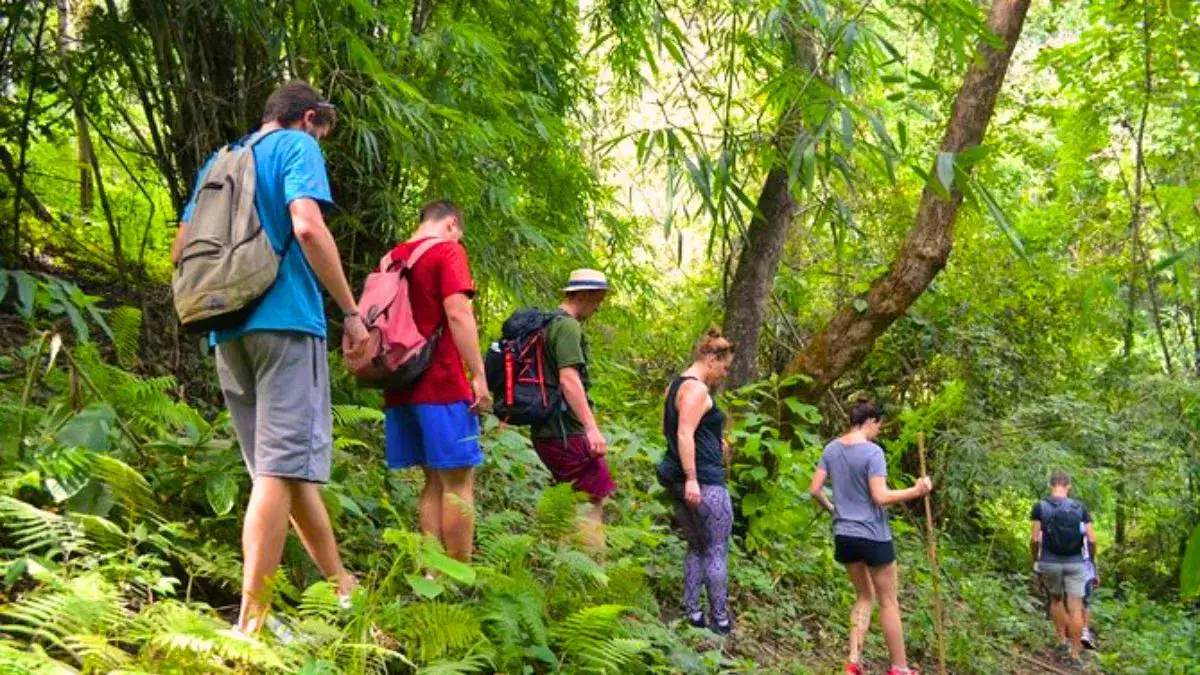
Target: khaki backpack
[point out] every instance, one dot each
(227, 262)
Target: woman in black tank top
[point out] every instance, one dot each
(693, 471)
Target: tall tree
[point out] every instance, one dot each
(764, 239)
(851, 333)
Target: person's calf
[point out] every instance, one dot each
(591, 529)
(264, 531)
(458, 512)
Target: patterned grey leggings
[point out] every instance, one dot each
(706, 531)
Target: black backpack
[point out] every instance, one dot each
(1062, 526)
(516, 369)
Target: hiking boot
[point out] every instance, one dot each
(1088, 639)
(723, 627)
(854, 668)
(697, 620)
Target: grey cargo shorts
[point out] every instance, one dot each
(276, 386)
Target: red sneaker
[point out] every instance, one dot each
(854, 668)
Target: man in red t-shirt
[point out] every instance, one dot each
(434, 424)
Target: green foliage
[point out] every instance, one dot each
(633, 136)
(42, 299)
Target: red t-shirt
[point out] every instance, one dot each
(440, 273)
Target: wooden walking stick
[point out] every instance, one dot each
(931, 550)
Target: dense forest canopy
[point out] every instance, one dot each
(985, 216)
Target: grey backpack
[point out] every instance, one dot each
(227, 262)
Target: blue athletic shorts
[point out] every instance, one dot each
(439, 436)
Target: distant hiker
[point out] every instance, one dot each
(1060, 528)
(434, 423)
(569, 441)
(862, 535)
(271, 354)
(1088, 638)
(693, 471)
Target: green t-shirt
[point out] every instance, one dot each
(565, 348)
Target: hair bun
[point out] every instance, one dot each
(862, 398)
(714, 333)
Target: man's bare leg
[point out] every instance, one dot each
(263, 534)
(591, 528)
(430, 506)
(1075, 624)
(1058, 612)
(458, 511)
(311, 520)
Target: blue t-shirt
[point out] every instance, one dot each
(290, 167)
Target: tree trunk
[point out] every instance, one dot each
(851, 333)
(26, 121)
(763, 242)
(83, 140)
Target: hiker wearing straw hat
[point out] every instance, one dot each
(569, 441)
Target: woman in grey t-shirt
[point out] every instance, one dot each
(861, 534)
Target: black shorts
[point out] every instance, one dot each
(848, 550)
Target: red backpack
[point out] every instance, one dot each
(395, 355)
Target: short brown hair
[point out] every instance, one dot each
(713, 343)
(288, 104)
(442, 208)
(1060, 479)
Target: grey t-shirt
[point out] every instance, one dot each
(850, 467)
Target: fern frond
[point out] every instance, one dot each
(126, 324)
(505, 552)
(319, 601)
(35, 530)
(589, 639)
(87, 604)
(173, 628)
(129, 486)
(352, 415)
(479, 660)
(503, 522)
(610, 656)
(434, 630)
(556, 513)
(369, 659)
(96, 653)
(19, 659)
(578, 567)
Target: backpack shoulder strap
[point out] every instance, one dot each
(387, 263)
(258, 136)
(422, 249)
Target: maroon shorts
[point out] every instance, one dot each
(570, 461)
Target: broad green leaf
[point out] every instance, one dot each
(860, 305)
(25, 289)
(89, 428)
(221, 491)
(426, 588)
(438, 561)
(998, 215)
(945, 170)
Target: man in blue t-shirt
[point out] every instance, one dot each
(273, 366)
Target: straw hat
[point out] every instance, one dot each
(586, 280)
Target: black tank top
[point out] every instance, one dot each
(710, 461)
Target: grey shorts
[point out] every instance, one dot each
(1060, 578)
(276, 386)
